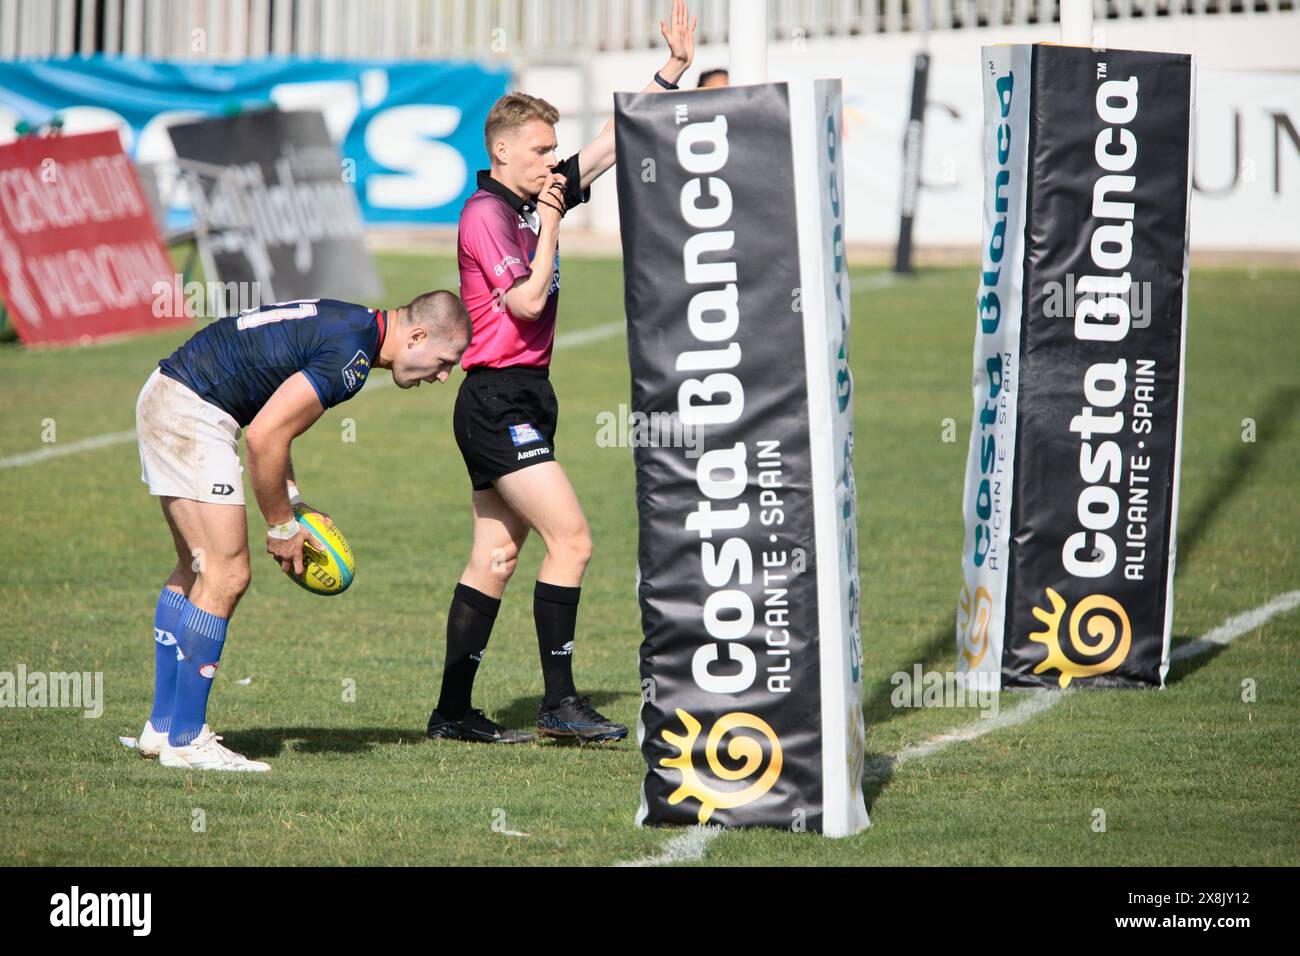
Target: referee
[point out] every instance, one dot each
(506, 411)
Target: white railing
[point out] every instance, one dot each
(476, 28)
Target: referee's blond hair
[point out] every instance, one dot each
(513, 111)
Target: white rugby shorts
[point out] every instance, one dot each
(189, 448)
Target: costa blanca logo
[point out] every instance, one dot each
(75, 909)
(857, 741)
(75, 689)
(1102, 618)
(973, 616)
(354, 373)
(750, 751)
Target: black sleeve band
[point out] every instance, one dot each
(574, 194)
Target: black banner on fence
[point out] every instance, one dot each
(274, 205)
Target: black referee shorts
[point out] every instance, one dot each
(504, 421)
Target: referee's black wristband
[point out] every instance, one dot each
(664, 83)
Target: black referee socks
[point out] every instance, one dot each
(555, 612)
(469, 625)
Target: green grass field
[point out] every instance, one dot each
(1191, 775)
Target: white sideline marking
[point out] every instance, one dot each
(562, 341)
(881, 767)
(71, 448)
(1236, 626)
(687, 846)
(690, 846)
(593, 334)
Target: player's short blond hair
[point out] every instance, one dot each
(513, 111)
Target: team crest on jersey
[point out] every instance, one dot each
(354, 373)
(525, 434)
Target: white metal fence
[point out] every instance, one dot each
(518, 28)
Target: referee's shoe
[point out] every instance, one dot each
(475, 727)
(575, 719)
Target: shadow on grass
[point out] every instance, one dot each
(877, 774)
(262, 742)
(938, 651)
(1187, 666)
(1282, 406)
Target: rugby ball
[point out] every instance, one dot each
(327, 570)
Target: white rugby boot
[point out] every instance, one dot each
(206, 753)
(151, 742)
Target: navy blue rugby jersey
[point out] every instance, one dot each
(238, 362)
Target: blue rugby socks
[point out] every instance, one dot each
(166, 622)
(201, 638)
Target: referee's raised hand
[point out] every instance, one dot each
(550, 201)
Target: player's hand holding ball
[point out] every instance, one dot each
(285, 544)
(312, 551)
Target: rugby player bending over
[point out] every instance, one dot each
(270, 372)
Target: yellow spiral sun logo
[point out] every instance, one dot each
(857, 739)
(973, 624)
(1102, 618)
(746, 751)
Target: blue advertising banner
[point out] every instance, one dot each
(410, 133)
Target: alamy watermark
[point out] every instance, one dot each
(627, 429)
(130, 910)
(919, 688)
(204, 300)
(82, 690)
(1097, 301)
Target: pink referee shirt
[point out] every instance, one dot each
(496, 242)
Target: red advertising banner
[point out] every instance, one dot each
(79, 250)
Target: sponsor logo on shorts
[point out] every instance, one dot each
(525, 434)
(223, 489)
(533, 453)
(355, 372)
